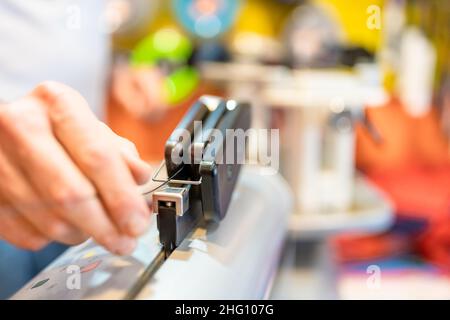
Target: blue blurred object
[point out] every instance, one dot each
(402, 263)
(18, 266)
(206, 19)
(211, 51)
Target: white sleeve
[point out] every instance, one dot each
(62, 40)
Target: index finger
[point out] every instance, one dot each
(81, 134)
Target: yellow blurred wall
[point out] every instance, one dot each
(267, 17)
(353, 16)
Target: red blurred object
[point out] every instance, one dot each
(419, 194)
(417, 191)
(435, 243)
(411, 164)
(361, 247)
(423, 192)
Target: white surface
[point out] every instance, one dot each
(322, 89)
(284, 87)
(308, 267)
(417, 72)
(371, 212)
(412, 285)
(307, 272)
(243, 72)
(236, 260)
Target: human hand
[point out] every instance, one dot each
(65, 176)
(140, 90)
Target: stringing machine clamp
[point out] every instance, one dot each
(202, 189)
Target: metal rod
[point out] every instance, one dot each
(155, 177)
(162, 184)
(146, 276)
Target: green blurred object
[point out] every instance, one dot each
(165, 44)
(168, 47)
(181, 84)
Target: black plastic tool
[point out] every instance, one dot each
(203, 173)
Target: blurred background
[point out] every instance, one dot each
(360, 92)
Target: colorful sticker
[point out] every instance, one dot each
(90, 267)
(40, 283)
(89, 254)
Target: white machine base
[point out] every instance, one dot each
(236, 260)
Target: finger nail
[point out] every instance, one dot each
(137, 224)
(147, 166)
(124, 246)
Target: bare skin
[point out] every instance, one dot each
(65, 176)
(139, 90)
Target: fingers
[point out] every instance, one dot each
(149, 85)
(140, 90)
(149, 82)
(20, 197)
(17, 231)
(140, 169)
(70, 194)
(98, 158)
(126, 91)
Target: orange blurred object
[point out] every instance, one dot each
(405, 140)
(150, 136)
(362, 247)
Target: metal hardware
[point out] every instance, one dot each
(172, 197)
(189, 182)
